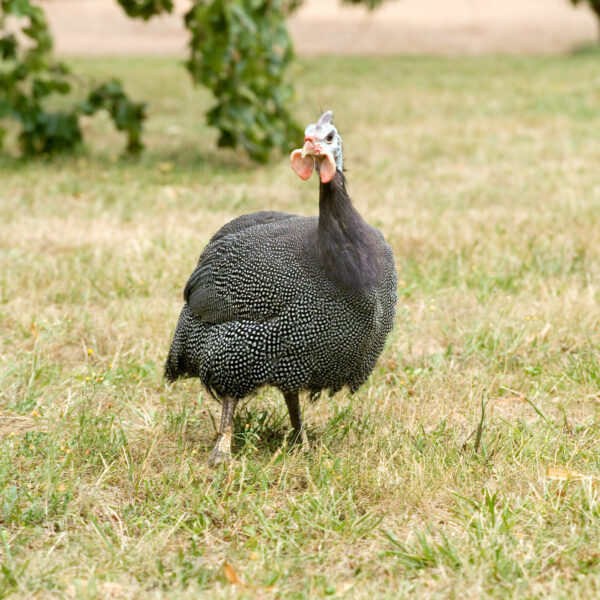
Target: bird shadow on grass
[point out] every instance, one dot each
(260, 430)
(268, 430)
(169, 164)
(182, 160)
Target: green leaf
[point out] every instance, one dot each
(35, 77)
(146, 9)
(240, 49)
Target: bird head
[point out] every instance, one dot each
(322, 147)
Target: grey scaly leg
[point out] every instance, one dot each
(222, 451)
(293, 405)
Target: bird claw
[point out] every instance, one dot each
(303, 447)
(300, 441)
(218, 457)
(221, 453)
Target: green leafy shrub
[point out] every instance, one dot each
(126, 115)
(29, 76)
(240, 50)
(145, 9)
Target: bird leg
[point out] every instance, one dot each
(293, 404)
(222, 451)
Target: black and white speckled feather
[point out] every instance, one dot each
(299, 303)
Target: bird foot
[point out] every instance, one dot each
(221, 453)
(218, 457)
(300, 441)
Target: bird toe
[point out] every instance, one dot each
(301, 443)
(218, 457)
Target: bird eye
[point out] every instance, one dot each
(329, 138)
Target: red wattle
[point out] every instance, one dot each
(303, 166)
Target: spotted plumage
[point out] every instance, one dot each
(298, 303)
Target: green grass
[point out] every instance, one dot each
(483, 175)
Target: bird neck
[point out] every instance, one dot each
(346, 242)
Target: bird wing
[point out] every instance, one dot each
(248, 271)
(250, 220)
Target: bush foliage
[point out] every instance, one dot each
(239, 49)
(29, 76)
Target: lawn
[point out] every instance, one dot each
(483, 175)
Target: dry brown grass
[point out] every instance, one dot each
(482, 173)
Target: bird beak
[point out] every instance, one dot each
(303, 161)
(310, 148)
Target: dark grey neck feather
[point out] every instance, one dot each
(347, 244)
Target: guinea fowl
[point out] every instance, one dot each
(298, 303)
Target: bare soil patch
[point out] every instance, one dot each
(99, 27)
